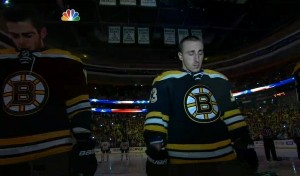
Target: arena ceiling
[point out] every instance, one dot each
(229, 28)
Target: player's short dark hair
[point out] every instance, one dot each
(188, 38)
(24, 12)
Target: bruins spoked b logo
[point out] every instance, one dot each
(200, 104)
(24, 93)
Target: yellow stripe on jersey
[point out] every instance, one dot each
(75, 100)
(156, 128)
(229, 157)
(214, 74)
(233, 116)
(237, 125)
(198, 146)
(33, 156)
(59, 53)
(8, 54)
(297, 67)
(70, 116)
(8, 51)
(231, 113)
(169, 74)
(34, 138)
(157, 114)
(56, 51)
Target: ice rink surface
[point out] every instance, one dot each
(135, 166)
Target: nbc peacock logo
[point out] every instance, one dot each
(70, 15)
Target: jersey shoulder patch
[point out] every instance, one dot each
(214, 74)
(169, 74)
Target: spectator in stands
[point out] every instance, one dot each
(268, 139)
(192, 121)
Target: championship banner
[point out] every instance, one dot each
(128, 2)
(108, 2)
(182, 33)
(169, 36)
(128, 35)
(143, 36)
(114, 34)
(148, 3)
(197, 33)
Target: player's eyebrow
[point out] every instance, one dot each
(23, 34)
(193, 51)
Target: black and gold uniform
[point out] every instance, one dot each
(43, 97)
(197, 116)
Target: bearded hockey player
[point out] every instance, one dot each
(44, 104)
(193, 126)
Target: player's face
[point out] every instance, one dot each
(191, 55)
(25, 35)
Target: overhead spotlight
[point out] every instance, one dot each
(6, 2)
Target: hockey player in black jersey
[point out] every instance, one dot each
(194, 117)
(44, 104)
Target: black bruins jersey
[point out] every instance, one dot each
(196, 114)
(43, 96)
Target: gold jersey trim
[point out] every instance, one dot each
(33, 156)
(34, 138)
(158, 114)
(229, 157)
(77, 99)
(160, 129)
(237, 125)
(12, 53)
(168, 75)
(185, 147)
(297, 67)
(231, 113)
(214, 74)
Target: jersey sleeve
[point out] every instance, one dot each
(77, 101)
(157, 118)
(233, 117)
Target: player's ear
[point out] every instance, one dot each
(180, 56)
(43, 33)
